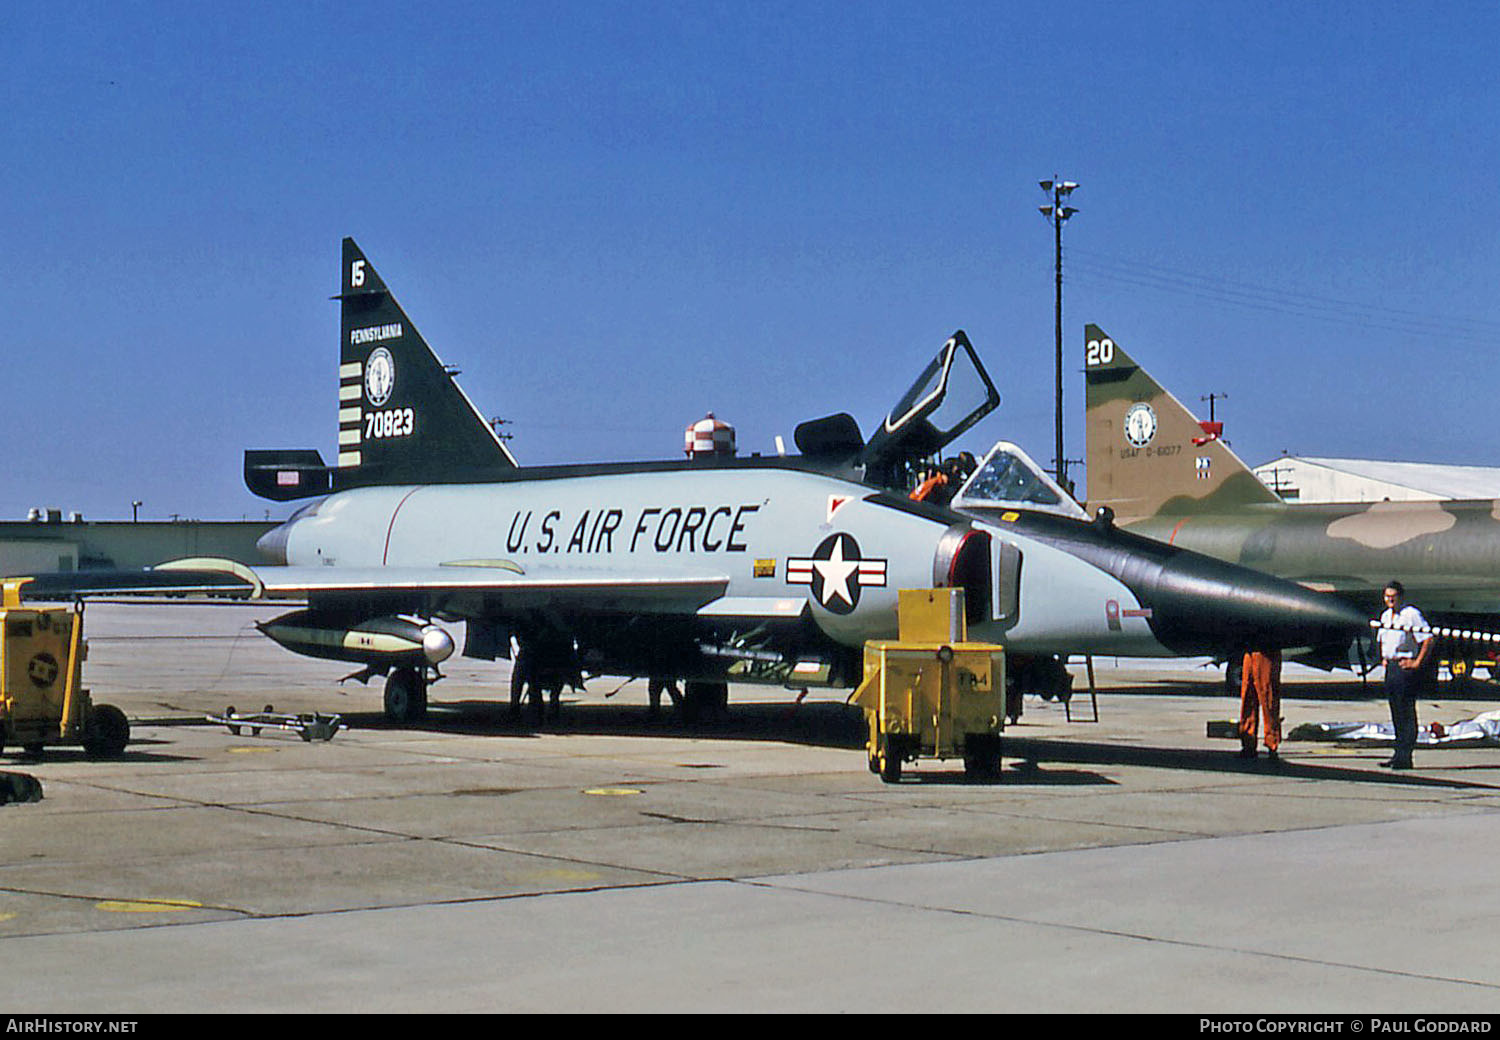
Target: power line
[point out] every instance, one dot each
(1097, 268)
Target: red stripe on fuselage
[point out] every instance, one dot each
(385, 555)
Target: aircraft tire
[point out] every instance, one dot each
(1234, 670)
(517, 687)
(106, 731)
(702, 701)
(405, 696)
(523, 689)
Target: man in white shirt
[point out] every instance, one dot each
(1406, 647)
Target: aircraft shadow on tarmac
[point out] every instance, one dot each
(1340, 689)
(835, 725)
(1034, 751)
(137, 751)
(814, 724)
(817, 723)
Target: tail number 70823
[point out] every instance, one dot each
(393, 422)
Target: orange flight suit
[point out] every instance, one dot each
(1260, 693)
(929, 487)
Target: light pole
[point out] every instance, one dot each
(135, 510)
(1057, 214)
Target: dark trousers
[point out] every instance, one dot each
(1402, 688)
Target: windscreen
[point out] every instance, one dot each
(1008, 477)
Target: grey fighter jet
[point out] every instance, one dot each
(1170, 477)
(700, 570)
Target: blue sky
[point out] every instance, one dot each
(616, 217)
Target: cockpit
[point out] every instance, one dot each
(1008, 477)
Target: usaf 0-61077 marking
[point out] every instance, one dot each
(772, 569)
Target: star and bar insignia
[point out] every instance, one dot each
(837, 572)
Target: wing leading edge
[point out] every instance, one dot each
(465, 589)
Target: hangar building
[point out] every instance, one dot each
(1306, 479)
(48, 542)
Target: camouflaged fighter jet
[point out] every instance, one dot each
(1170, 477)
(701, 570)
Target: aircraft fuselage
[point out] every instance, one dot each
(787, 542)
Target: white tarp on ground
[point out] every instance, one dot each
(1480, 731)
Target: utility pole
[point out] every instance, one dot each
(1057, 214)
(1211, 398)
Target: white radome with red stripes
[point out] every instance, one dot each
(709, 436)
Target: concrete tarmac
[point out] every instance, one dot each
(614, 862)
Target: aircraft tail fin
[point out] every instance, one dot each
(1147, 454)
(402, 416)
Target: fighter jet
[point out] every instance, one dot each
(1170, 477)
(700, 570)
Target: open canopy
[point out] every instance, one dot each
(952, 394)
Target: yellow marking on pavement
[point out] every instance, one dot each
(560, 874)
(146, 906)
(612, 792)
(251, 750)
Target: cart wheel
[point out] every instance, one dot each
(890, 766)
(106, 731)
(255, 730)
(982, 759)
(981, 767)
(874, 762)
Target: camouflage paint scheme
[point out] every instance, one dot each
(1168, 477)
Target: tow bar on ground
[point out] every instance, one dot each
(309, 726)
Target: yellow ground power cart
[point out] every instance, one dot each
(931, 693)
(42, 700)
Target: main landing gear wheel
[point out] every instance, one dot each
(702, 701)
(523, 689)
(405, 696)
(1234, 673)
(654, 691)
(529, 682)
